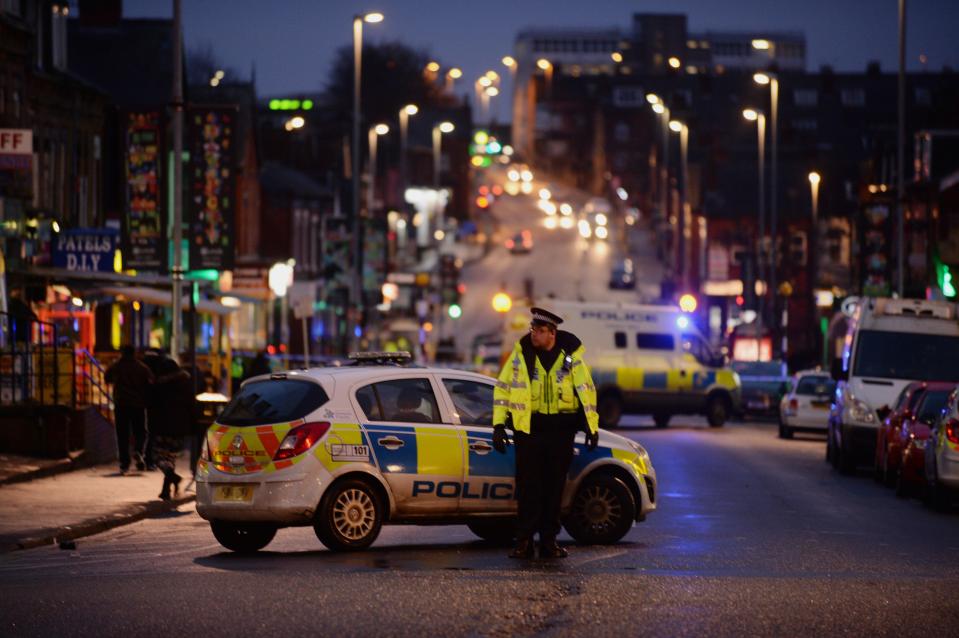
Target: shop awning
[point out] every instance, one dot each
(159, 297)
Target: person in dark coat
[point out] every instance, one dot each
(175, 412)
(153, 359)
(130, 379)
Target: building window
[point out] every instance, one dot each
(652, 341)
(853, 97)
(10, 6)
(805, 124)
(621, 132)
(923, 97)
(805, 97)
(619, 340)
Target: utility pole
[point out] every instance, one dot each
(176, 335)
(901, 154)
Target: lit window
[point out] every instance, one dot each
(805, 97)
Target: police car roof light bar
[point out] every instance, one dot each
(380, 358)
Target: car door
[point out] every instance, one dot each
(419, 455)
(488, 477)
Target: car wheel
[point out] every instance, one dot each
(829, 446)
(349, 517)
(603, 511)
(784, 431)
(499, 531)
(610, 410)
(845, 462)
(243, 538)
(661, 420)
(888, 474)
(717, 411)
(935, 496)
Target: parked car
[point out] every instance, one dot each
(764, 384)
(941, 457)
(521, 243)
(914, 435)
(888, 450)
(806, 406)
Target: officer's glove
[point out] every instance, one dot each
(500, 440)
(592, 440)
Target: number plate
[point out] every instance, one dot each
(235, 493)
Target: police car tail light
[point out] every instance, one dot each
(952, 430)
(300, 439)
(793, 406)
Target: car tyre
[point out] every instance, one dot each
(717, 411)
(350, 516)
(243, 538)
(903, 489)
(845, 462)
(935, 496)
(784, 430)
(661, 420)
(498, 531)
(610, 408)
(603, 511)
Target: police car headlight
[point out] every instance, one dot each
(857, 411)
(638, 449)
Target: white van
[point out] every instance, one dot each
(647, 360)
(890, 343)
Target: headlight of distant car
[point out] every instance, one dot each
(857, 411)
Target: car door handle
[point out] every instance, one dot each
(390, 442)
(481, 447)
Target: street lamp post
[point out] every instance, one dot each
(451, 76)
(356, 286)
(901, 151)
(374, 133)
(773, 81)
(659, 107)
(547, 67)
(176, 334)
(685, 220)
(813, 244)
(755, 115)
(405, 113)
(438, 130)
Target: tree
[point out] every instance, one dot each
(392, 77)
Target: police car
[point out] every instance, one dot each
(347, 449)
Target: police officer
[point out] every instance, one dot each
(547, 391)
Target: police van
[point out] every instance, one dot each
(889, 344)
(647, 359)
(347, 449)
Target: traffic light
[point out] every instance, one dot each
(455, 311)
(944, 278)
(449, 280)
(502, 302)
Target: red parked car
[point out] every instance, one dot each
(914, 435)
(888, 452)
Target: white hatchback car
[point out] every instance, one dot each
(806, 406)
(346, 449)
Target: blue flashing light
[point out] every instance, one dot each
(682, 322)
(357, 332)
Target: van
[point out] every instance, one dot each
(889, 344)
(647, 360)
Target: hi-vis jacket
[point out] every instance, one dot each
(562, 389)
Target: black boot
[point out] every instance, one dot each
(548, 548)
(165, 491)
(524, 549)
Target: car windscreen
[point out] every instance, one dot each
(815, 386)
(758, 368)
(933, 402)
(906, 355)
(273, 401)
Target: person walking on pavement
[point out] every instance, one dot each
(152, 359)
(545, 388)
(130, 379)
(171, 420)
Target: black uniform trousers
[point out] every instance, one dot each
(130, 420)
(543, 458)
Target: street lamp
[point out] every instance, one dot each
(438, 130)
(547, 67)
(451, 76)
(764, 78)
(685, 220)
(280, 278)
(814, 179)
(356, 248)
(374, 134)
(405, 113)
(755, 115)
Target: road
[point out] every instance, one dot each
(754, 536)
(561, 263)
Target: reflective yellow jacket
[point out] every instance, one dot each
(563, 389)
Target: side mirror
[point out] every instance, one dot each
(838, 374)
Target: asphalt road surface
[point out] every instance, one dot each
(753, 536)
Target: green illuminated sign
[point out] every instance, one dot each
(287, 104)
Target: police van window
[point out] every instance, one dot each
(695, 346)
(370, 405)
(619, 339)
(473, 401)
(652, 341)
(273, 401)
(409, 400)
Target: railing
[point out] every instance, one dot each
(37, 367)
(90, 384)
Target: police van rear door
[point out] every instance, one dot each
(420, 455)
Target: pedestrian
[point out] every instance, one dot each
(130, 379)
(174, 419)
(259, 365)
(152, 358)
(546, 390)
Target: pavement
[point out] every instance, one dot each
(76, 501)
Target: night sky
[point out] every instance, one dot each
(292, 42)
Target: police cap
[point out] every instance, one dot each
(542, 316)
